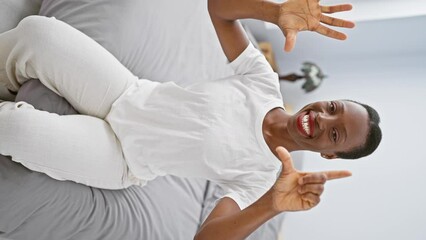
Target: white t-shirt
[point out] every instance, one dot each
(209, 130)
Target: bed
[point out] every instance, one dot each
(157, 40)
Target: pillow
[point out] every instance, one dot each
(12, 11)
(159, 40)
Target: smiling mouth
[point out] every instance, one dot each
(305, 124)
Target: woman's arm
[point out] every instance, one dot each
(293, 191)
(291, 16)
(224, 15)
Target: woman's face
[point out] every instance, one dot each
(329, 127)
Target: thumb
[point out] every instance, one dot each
(286, 160)
(290, 40)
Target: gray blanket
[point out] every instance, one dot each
(34, 206)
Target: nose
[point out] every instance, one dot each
(324, 119)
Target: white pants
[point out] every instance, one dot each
(81, 148)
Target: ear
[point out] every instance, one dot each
(328, 156)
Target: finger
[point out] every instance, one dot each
(337, 174)
(313, 178)
(311, 198)
(336, 8)
(336, 22)
(316, 189)
(322, 177)
(290, 40)
(330, 32)
(286, 160)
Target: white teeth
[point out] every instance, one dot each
(305, 124)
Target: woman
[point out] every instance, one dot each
(134, 130)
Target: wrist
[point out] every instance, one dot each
(270, 12)
(268, 204)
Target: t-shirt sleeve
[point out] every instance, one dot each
(251, 61)
(256, 72)
(244, 196)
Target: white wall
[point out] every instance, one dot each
(369, 10)
(383, 63)
(385, 197)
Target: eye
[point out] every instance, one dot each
(334, 135)
(332, 107)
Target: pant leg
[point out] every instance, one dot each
(79, 148)
(66, 61)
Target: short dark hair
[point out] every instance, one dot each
(374, 136)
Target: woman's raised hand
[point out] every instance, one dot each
(294, 190)
(302, 15)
